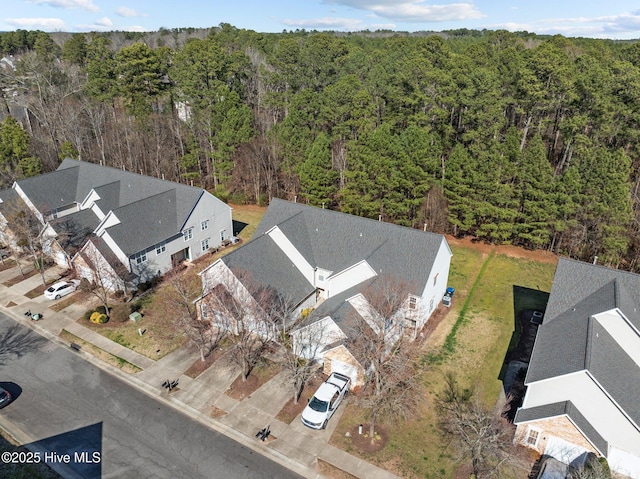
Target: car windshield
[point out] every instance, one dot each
(51, 289)
(317, 405)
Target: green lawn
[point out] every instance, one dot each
(471, 341)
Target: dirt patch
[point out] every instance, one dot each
(291, 410)
(364, 443)
(542, 256)
(260, 375)
(17, 279)
(215, 412)
(199, 366)
(332, 472)
(10, 304)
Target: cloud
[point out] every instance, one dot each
(68, 4)
(129, 12)
(414, 11)
(326, 23)
(104, 22)
(47, 24)
(626, 25)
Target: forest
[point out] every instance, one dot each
(511, 138)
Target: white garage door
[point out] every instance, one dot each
(565, 451)
(624, 463)
(346, 369)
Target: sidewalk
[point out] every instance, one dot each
(293, 445)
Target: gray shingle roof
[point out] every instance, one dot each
(571, 340)
(151, 210)
(334, 241)
(560, 409)
(267, 265)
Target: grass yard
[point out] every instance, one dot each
(472, 340)
(246, 219)
(101, 354)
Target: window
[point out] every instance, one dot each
(223, 235)
(204, 225)
(205, 244)
(532, 437)
(140, 257)
(413, 302)
(187, 234)
(161, 248)
(205, 310)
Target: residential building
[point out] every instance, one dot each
(321, 260)
(138, 226)
(583, 380)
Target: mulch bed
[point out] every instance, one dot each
(17, 279)
(243, 389)
(364, 443)
(199, 366)
(291, 410)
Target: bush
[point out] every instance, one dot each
(88, 313)
(99, 318)
(120, 312)
(101, 309)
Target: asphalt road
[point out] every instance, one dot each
(107, 428)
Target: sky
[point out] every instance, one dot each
(617, 19)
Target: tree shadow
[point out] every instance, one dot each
(238, 226)
(15, 342)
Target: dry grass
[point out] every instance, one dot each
(100, 354)
(332, 472)
(19, 471)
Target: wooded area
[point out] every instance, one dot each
(508, 137)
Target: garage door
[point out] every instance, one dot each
(346, 369)
(565, 451)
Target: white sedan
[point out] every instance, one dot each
(60, 289)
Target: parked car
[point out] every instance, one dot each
(5, 397)
(60, 289)
(325, 401)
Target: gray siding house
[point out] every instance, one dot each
(139, 226)
(583, 380)
(322, 260)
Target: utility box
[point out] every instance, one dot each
(135, 316)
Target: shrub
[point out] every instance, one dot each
(88, 313)
(101, 309)
(98, 318)
(120, 312)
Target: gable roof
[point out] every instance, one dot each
(267, 264)
(571, 339)
(334, 241)
(561, 409)
(150, 210)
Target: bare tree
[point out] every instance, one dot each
(27, 234)
(180, 295)
(243, 308)
(104, 275)
(392, 385)
(477, 433)
(299, 354)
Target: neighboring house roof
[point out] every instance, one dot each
(333, 241)
(74, 229)
(150, 210)
(571, 339)
(11, 202)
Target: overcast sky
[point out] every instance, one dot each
(588, 18)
